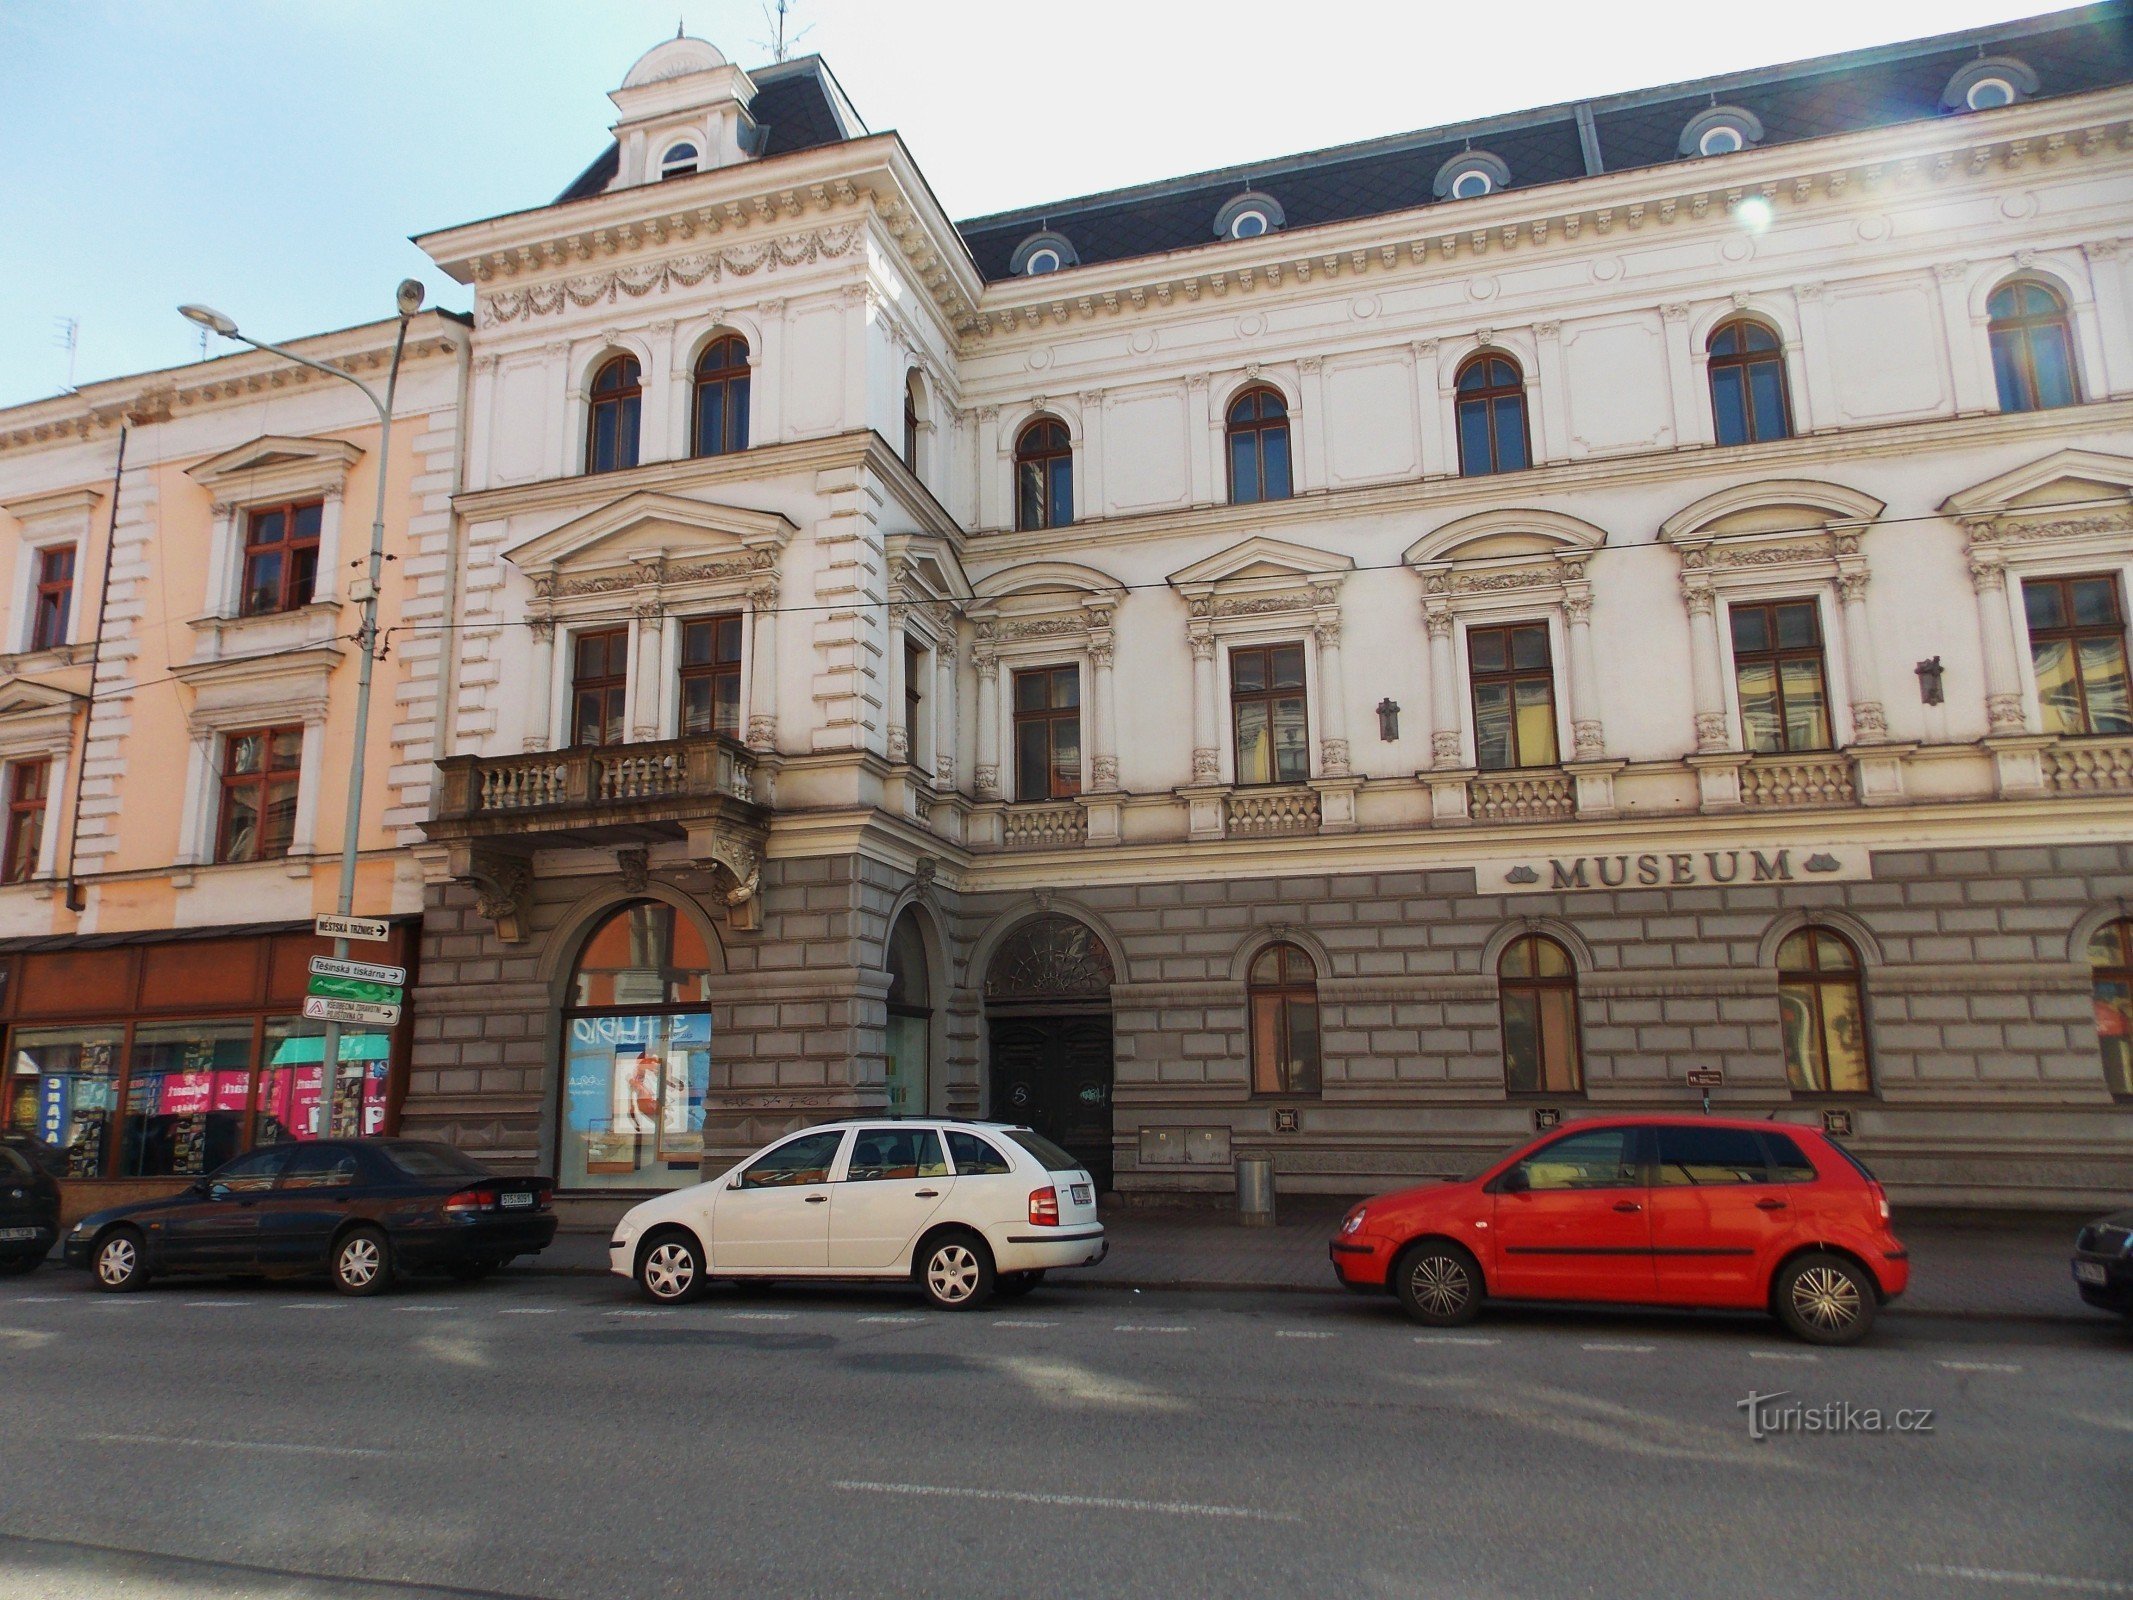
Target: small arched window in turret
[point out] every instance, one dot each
(679, 161)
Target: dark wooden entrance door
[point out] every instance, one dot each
(1054, 1073)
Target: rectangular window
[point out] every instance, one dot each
(1266, 696)
(1691, 1157)
(55, 597)
(1048, 733)
(64, 1089)
(259, 778)
(186, 1097)
(2077, 643)
(711, 676)
(1777, 666)
(280, 557)
(1514, 696)
(914, 658)
(28, 783)
(599, 685)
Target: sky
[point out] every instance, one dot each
(272, 157)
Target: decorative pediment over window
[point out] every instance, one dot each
(275, 467)
(36, 718)
(1262, 575)
(1043, 601)
(255, 690)
(1509, 556)
(2072, 500)
(1770, 509)
(652, 542)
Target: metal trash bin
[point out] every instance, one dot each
(1255, 1191)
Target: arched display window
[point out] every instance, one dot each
(910, 1020)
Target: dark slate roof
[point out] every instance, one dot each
(2070, 51)
(797, 106)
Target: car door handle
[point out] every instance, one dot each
(1626, 1207)
(1770, 1205)
(925, 1194)
(818, 1199)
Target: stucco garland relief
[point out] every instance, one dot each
(740, 261)
(652, 575)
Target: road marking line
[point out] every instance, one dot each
(1781, 1355)
(39, 1299)
(422, 1308)
(1146, 1327)
(1175, 1508)
(235, 1444)
(1978, 1366)
(1452, 1338)
(1302, 1333)
(1021, 1322)
(761, 1316)
(526, 1311)
(2032, 1580)
(640, 1311)
(1622, 1349)
(317, 1305)
(216, 1304)
(901, 1322)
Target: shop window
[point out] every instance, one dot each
(1749, 400)
(637, 1066)
(1492, 417)
(1822, 1011)
(63, 1088)
(617, 405)
(599, 685)
(721, 415)
(53, 603)
(1778, 671)
(1267, 713)
(1048, 733)
(711, 676)
(187, 1093)
(2032, 347)
(2077, 646)
(260, 773)
(292, 1072)
(28, 783)
(2111, 959)
(1513, 683)
(1258, 429)
(280, 558)
(1538, 986)
(910, 1020)
(1282, 991)
(1044, 476)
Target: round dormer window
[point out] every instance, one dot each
(678, 162)
(1247, 225)
(1251, 214)
(1722, 140)
(1471, 186)
(1989, 94)
(1041, 261)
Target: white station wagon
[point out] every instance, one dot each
(968, 1209)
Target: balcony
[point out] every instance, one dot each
(2090, 766)
(1271, 813)
(1058, 826)
(1544, 796)
(1789, 783)
(598, 794)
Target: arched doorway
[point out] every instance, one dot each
(910, 1029)
(1048, 1022)
(636, 1053)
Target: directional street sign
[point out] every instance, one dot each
(320, 1008)
(375, 929)
(368, 971)
(379, 994)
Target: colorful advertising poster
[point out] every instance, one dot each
(634, 1090)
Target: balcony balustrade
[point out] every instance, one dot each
(597, 793)
(1787, 783)
(1271, 813)
(1522, 797)
(1044, 827)
(2090, 766)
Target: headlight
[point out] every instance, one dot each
(1354, 1219)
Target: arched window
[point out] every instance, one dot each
(1539, 989)
(678, 162)
(1822, 1008)
(1044, 475)
(721, 398)
(2032, 347)
(1258, 447)
(2111, 957)
(1283, 994)
(617, 401)
(1492, 417)
(911, 419)
(637, 1066)
(1749, 401)
(910, 1019)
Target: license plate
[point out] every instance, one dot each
(1080, 1193)
(516, 1202)
(2086, 1271)
(12, 1234)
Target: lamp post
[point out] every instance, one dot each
(408, 299)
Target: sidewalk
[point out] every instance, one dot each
(1961, 1264)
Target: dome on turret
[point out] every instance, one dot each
(675, 58)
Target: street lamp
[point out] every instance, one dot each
(408, 299)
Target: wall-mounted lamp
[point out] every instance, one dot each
(1388, 719)
(1929, 676)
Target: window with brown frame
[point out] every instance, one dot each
(711, 676)
(1044, 476)
(260, 773)
(1048, 733)
(1749, 399)
(1492, 417)
(2077, 645)
(1822, 1012)
(599, 686)
(2032, 347)
(1778, 670)
(1268, 717)
(54, 601)
(1258, 428)
(1282, 993)
(280, 557)
(911, 421)
(914, 657)
(1513, 682)
(28, 783)
(2111, 966)
(1538, 986)
(721, 402)
(617, 404)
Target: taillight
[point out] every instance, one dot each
(472, 1200)
(1044, 1207)
(544, 1199)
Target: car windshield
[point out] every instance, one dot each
(432, 1161)
(1053, 1158)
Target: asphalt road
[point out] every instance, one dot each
(554, 1437)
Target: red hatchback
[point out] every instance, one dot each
(1657, 1211)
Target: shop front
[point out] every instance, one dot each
(149, 1060)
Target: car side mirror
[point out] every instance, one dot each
(199, 1186)
(1514, 1181)
(219, 1191)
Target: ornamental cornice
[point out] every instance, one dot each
(499, 307)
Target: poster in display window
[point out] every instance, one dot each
(637, 1090)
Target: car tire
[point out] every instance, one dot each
(1439, 1284)
(362, 1262)
(670, 1268)
(1014, 1285)
(19, 1265)
(1824, 1299)
(955, 1271)
(120, 1261)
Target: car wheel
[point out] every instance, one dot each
(1439, 1284)
(121, 1261)
(18, 1266)
(1014, 1285)
(362, 1262)
(1825, 1299)
(671, 1269)
(955, 1270)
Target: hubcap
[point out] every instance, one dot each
(1439, 1285)
(115, 1262)
(952, 1274)
(359, 1262)
(668, 1270)
(1826, 1297)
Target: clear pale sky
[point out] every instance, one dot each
(271, 157)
